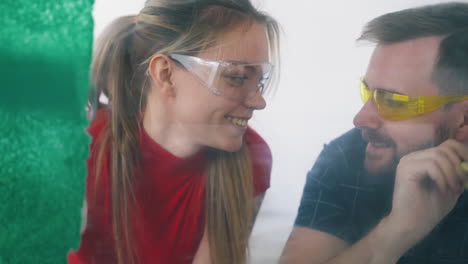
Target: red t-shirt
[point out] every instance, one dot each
(168, 222)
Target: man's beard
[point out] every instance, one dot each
(387, 172)
(373, 136)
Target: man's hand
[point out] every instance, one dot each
(427, 186)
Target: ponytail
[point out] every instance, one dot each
(113, 76)
(230, 209)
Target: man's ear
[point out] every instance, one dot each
(462, 121)
(160, 71)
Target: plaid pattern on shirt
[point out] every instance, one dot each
(341, 199)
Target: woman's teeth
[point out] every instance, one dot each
(237, 121)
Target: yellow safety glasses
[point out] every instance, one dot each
(395, 106)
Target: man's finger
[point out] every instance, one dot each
(464, 167)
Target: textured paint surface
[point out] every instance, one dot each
(45, 54)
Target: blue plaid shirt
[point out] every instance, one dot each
(341, 199)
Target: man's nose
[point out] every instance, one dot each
(368, 116)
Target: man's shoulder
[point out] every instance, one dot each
(339, 162)
(336, 198)
(346, 151)
(328, 202)
(349, 141)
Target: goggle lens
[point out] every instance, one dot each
(229, 79)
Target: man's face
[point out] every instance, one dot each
(403, 68)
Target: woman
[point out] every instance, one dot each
(175, 173)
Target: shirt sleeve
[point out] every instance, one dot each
(96, 241)
(261, 159)
(322, 207)
(72, 258)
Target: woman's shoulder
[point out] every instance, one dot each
(99, 122)
(257, 146)
(261, 158)
(253, 140)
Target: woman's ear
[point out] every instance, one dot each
(462, 122)
(160, 71)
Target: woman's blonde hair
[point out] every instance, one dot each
(121, 58)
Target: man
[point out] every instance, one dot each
(391, 190)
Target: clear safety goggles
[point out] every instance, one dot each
(395, 106)
(234, 80)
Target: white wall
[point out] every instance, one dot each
(316, 100)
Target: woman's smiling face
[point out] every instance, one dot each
(208, 119)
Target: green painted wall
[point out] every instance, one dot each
(45, 55)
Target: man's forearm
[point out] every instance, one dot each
(385, 244)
